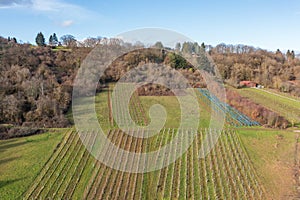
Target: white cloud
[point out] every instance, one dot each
(67, 23)
(56, 6)
(40, 5)
(14, 3)
(56, 10)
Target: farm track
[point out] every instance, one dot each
(295, 99)
(111, 119)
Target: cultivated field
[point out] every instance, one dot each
(226, 173)
(237, 168)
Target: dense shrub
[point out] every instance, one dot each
(257, 112)
(7, 132)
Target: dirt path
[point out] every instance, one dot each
(111, 120)
(297, 168)
(278, 95)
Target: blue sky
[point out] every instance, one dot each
(268, 24)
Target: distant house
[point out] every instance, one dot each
(248, 84)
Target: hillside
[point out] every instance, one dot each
(238, 167)
(36, 82)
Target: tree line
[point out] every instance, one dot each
(236, 63)
(66, 40)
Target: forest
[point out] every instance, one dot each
(36, 81)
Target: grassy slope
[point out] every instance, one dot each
(102, 110)
(171, 104)
(22, 159)
(284, 106)
(282, 93)
(272, 153)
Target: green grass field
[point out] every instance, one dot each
(289, 108)
(171, 104)
(272, 153)
(21, 160)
